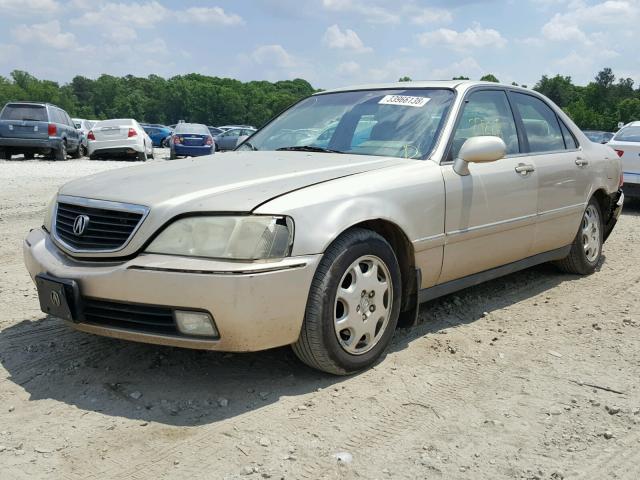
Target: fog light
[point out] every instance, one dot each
(195, 323)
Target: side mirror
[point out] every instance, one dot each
(479, 150)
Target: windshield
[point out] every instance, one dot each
(25, 112)
(628, 134)
(399, 123)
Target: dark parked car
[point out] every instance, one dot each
(159, 134)
(597, 136)
(232, 138)
(190, 139)
(30, 127)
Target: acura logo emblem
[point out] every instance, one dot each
(80, 224)
(55, 298)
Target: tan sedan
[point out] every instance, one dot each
(331, 224)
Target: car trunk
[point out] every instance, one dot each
(24, 121)
(112, 132)
(193, 140)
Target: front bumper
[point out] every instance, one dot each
(255, 306)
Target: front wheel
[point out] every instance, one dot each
(353, 305)
(586, 249)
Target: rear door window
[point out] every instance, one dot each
(36, 113)
(541, 125)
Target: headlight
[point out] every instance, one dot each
(231, 237)
(49, 213)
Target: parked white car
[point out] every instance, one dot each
(626, 143)
(120, 137)
(84, 127)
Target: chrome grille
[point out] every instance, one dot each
(107, 229)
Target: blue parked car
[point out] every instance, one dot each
(33, 127)
(191, 139)
(159, 134)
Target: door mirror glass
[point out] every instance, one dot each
(480, 149)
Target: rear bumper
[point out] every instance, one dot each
(115, 147)
(30, 143)
(615, 210)
(193, 151)
(255, 306)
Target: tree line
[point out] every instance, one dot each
(600, 105)
(193, 97)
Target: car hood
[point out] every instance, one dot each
(228, 182)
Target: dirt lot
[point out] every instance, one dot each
(496, 382)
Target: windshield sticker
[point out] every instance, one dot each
(404, 100)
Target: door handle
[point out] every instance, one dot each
(582, 162)
(525, 169)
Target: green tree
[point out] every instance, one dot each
(489, 77)
(558, 88)
(404, 79)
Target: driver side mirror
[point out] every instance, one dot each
(479, 150)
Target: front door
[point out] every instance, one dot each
(490, 214)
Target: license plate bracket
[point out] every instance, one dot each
(59, 297)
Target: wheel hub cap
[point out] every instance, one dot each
(363, 305)
(591, 233)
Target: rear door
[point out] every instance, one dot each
(24, 120)
(489, 214)
(562, 172)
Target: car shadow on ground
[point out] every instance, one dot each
(175, 386)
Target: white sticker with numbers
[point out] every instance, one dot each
(404, 100)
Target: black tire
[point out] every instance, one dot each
(142, 156)
(152, 156)
(78, 152)
(61, 153)
(318, 345)
(4, 154)
(28, 156)
(578, 261)
(172, 155)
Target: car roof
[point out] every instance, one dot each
(26, 102)
(449, 84)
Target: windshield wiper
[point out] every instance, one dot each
(308, 148)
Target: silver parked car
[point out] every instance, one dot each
(409, 191)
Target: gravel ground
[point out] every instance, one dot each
(532, 376)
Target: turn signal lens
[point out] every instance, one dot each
(52, 129)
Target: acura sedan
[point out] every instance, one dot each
(420, 189)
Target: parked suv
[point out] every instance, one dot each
(32, 127)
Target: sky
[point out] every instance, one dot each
(330, 43)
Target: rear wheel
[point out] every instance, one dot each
(4, 154)
(78, 152)
(28, 156)
(61, 153)
(586, 249)
(142, 156)
(353, 305)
